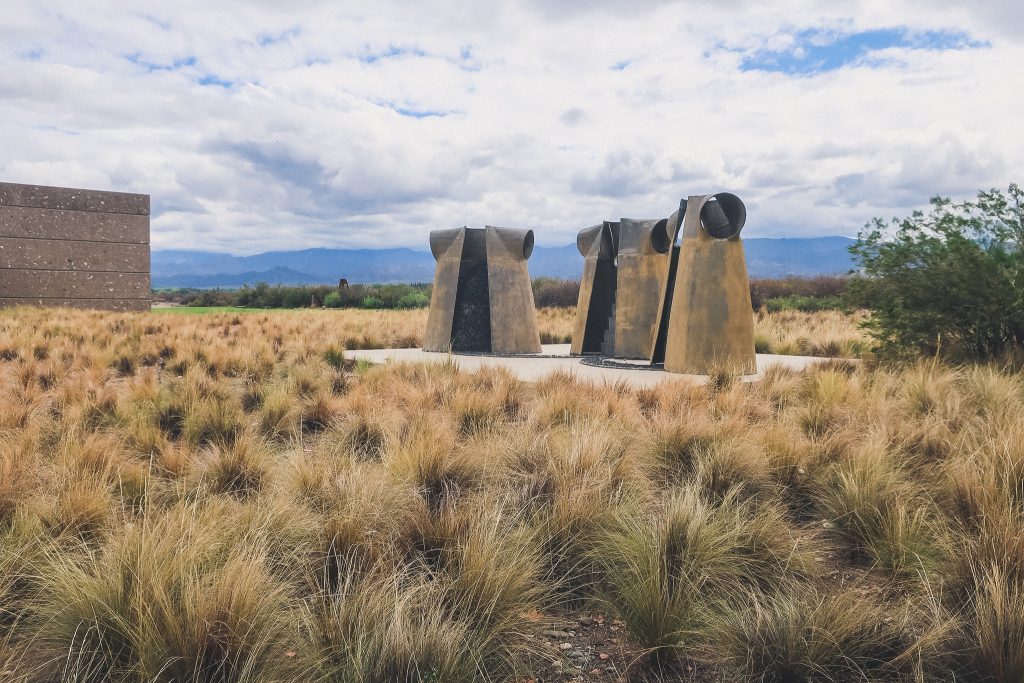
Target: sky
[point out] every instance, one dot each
(266, 125)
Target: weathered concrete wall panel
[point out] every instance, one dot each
(105, 304)
(73, 199)
(66, 284)
(54, 224)
(71, 247)
(32, 254)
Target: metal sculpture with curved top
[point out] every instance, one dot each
(641, 268)
(596, 305)
(482, 301)
(706, 319)
(674, 290)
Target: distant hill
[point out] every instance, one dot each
(181, 268)
(283, 267)
(798, 256)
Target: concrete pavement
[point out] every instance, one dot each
(555, 357)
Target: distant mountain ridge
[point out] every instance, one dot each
(766, 257)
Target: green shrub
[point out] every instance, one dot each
(807, 304)
(371, 302)
(827, 287)
(949, 280)
(414, 300)
(295, 298)
(552, 291)
(335, 357)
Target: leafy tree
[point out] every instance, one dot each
(950, 280)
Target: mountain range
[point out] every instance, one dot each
(766, 257)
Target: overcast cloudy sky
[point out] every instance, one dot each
(284, 125)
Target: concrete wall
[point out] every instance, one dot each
(67, 247)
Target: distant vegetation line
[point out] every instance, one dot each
(769, 258)
(773, 294)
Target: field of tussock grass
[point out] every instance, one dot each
(792, 333)
(226, 498)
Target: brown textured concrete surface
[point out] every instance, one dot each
(73, 199)
(104, 304)
(72, 247)
(43, 254)
(70, 284)
(54, 224)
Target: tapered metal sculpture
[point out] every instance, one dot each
(709, 321)
(595, 309)
(482, 301)
(624, 272)
(642, 267)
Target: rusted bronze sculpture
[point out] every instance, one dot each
(642, 266)
(482, 301)
(596, 306)
(624, 271)
(673, 291)
(706, 318)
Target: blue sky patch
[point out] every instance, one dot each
(467, 60)
(56, 129)
(211, 79)
(137, 58)
(817, 50)
(417, 113)
(619, 66)
(159, 23)
(268, 39)
(390, 53)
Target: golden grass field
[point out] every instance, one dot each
(792, 333)
(224, 497)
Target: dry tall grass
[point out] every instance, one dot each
(225, 498)
(825, 333)
(791, 333)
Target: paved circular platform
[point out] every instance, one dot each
(555, 358)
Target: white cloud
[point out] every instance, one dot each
(546, 114)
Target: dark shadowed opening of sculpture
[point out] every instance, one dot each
(658, 355)
(471, 324)
(596, 308)
(673, 234)
(602, 302)
(723, 216)
(660, 240)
